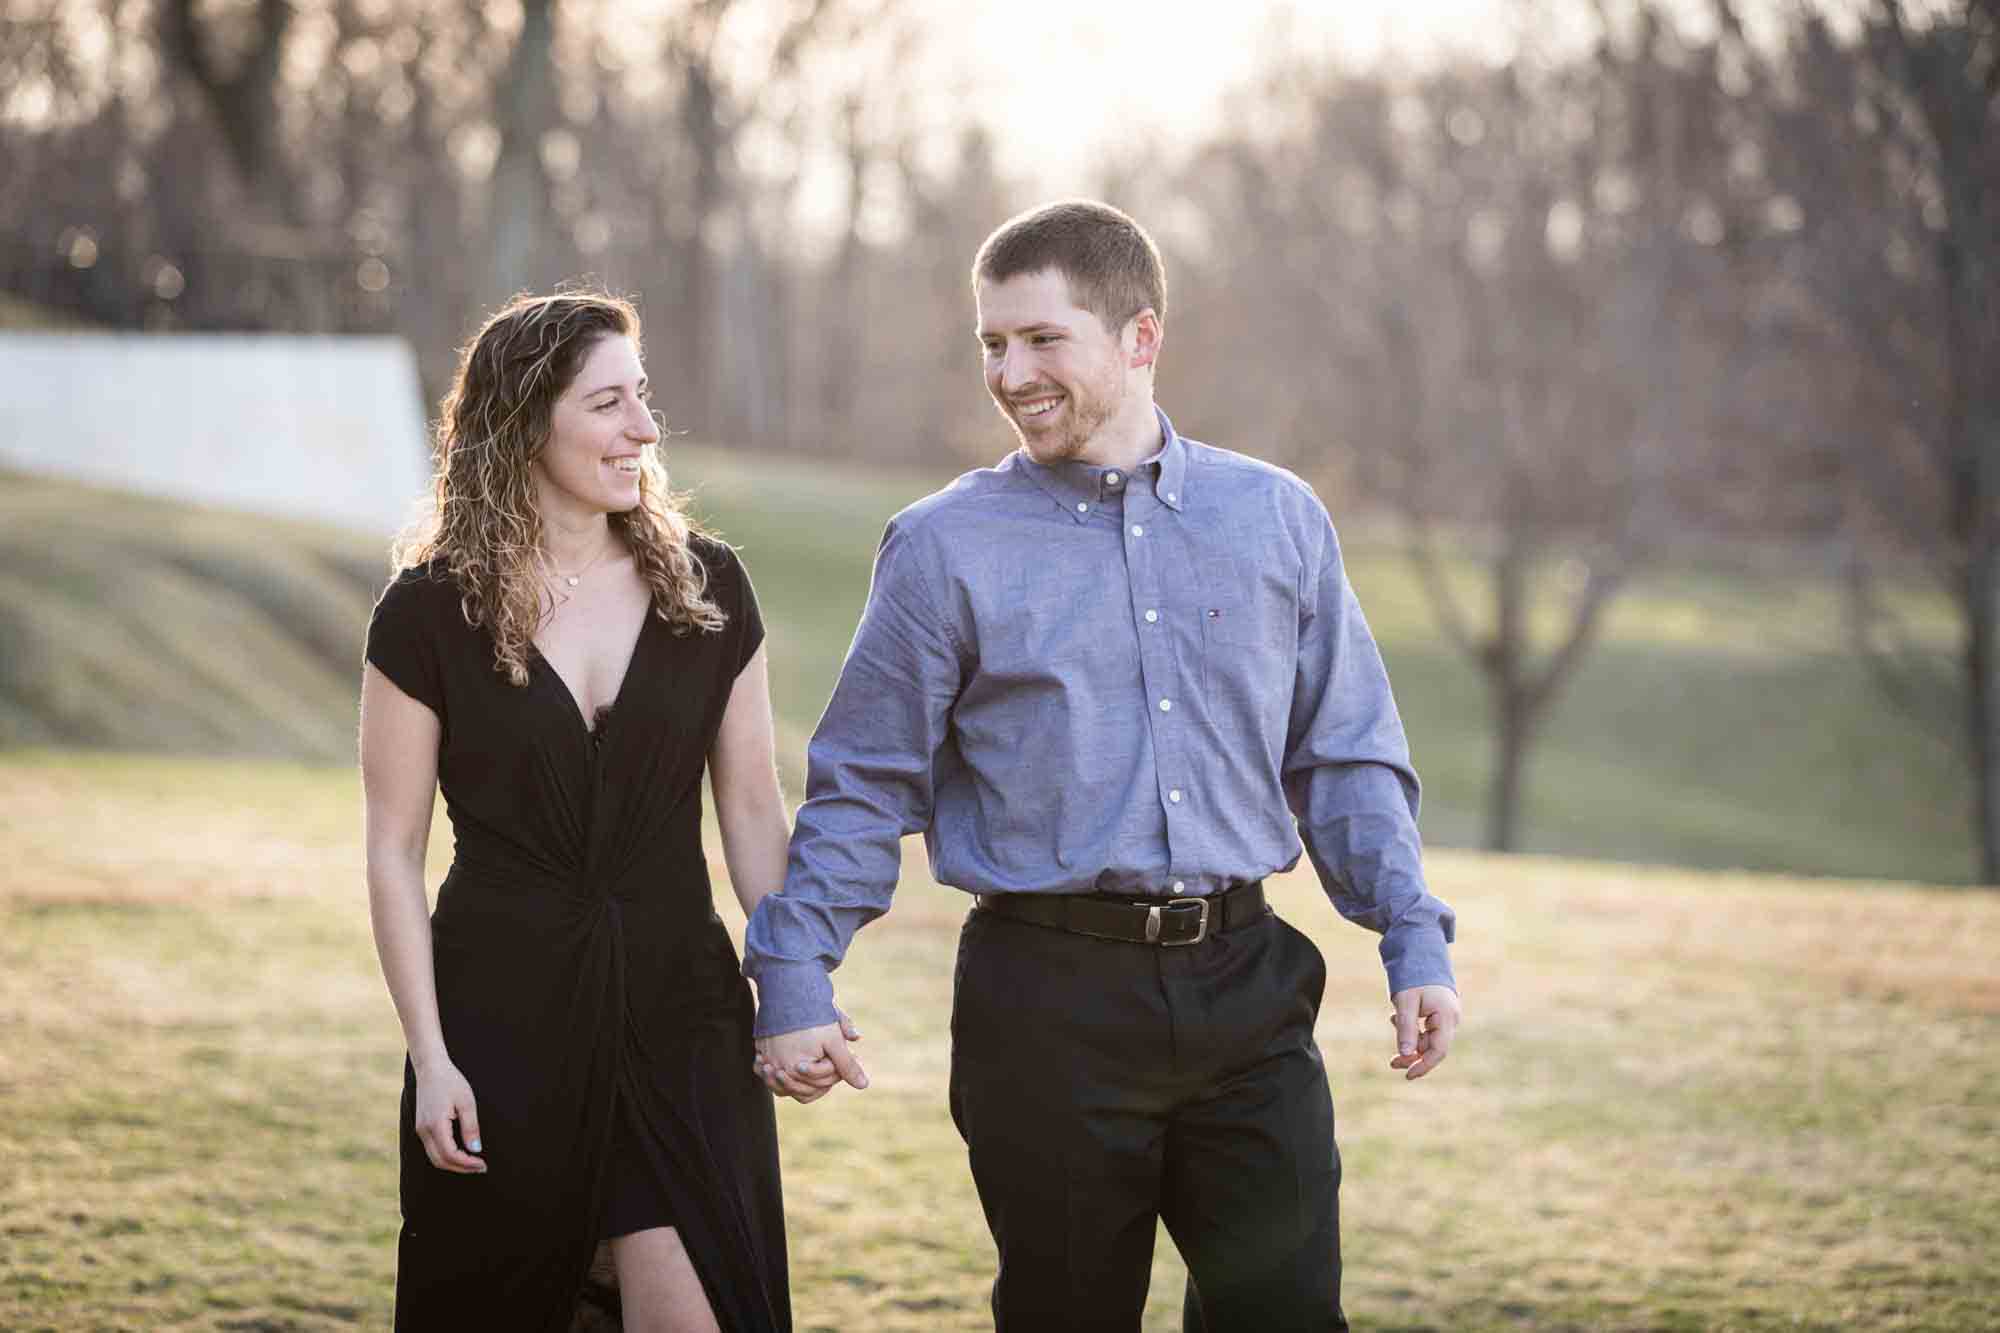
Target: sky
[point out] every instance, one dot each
(1060, 82)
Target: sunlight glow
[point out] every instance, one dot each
(1068, 86)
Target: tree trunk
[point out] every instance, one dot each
(701, 305)
(1505, 657)
(1971, 328)
(517, 218)
(1982, 582)
(1512, 728)
(245, 102)
(837, 388)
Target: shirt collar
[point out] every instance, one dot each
(1081, 487)
(1169, 465)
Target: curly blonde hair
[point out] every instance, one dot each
(493, 423)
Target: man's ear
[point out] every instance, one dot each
(1147, 334)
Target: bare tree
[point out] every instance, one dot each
(1887, 148)
(1509, 292)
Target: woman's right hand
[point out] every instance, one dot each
(443, 1096)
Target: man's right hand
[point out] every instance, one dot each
(805, 1065)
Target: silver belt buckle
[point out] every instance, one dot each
(1153, 923)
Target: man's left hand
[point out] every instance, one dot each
(1425, 1019)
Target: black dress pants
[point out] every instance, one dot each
(1101, 1085)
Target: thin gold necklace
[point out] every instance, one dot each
(573, 579)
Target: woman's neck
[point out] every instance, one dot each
(571, 544)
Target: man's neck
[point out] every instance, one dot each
(1129, 439)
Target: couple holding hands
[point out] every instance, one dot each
(1115, 681)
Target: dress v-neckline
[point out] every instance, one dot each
(617, 695)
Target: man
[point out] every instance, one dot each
(1112, 681)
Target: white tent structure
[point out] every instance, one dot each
(326, 428)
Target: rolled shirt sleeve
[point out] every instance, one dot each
(1348, 778)
(869, 782)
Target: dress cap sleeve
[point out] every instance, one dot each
(403, 635)
(729, 586)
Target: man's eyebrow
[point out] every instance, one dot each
(1043, 326)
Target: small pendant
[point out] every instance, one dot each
(572, 579)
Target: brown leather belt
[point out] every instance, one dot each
(1168, 923)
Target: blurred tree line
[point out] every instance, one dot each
(1714, 275)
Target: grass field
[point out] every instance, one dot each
(1683, 1100)
(1720, 723)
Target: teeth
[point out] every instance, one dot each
(626, 464)
(1040, 409)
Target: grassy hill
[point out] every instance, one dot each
(1682, 1100)
(18, 313)
(133, 623)
(1720, 722)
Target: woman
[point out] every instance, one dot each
(563, 654)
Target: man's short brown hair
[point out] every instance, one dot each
(1112, 265)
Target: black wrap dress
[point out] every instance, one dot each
(588, 991)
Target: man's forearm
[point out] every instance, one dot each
(1360, 830)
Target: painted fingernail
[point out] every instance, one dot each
(472, 1146)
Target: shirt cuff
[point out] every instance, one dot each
(1418, 954)
(791, 996)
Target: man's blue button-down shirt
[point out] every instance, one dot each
(1073, 679)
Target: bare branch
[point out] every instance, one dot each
(1451, 616)
(1599, 589)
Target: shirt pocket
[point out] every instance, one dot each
(1231, 621)
(1248, 644)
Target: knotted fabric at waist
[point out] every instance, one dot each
(483, 894)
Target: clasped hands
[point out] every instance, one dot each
(805, 1065)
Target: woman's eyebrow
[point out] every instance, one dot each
(611, 388)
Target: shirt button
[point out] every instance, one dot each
(1112, 478)
(1175, 796)
(1180, 886)
(1166, 705)
(1173, 499)
(1138, 531)
(1152, 616)
(1082, 508)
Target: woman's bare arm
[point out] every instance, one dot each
(749, 806)
(399, 746)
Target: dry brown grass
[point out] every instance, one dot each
(1683, 1101)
